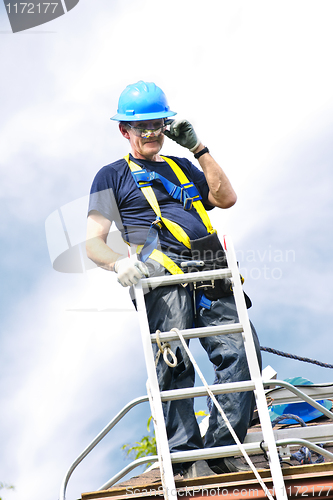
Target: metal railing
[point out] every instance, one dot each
(252, 447)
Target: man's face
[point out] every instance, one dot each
(146, 137)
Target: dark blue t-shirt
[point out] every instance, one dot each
(116, 196)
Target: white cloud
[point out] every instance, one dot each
(255, 80)
(69, 369)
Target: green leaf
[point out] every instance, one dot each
(147, 445)
(143, 448)
(148, 423)
(5, 486)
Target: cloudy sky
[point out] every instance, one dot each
(255, 79)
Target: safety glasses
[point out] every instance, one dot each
(145, 133)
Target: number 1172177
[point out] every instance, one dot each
(307, 491)
(32, 8)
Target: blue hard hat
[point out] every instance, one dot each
(142, 101)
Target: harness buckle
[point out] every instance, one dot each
(188, 203)
(142, 178)
(157, 222)
(185, 199)
(188, 194)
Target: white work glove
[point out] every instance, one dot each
(130, 270)
(182, 132)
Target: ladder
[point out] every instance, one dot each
(242, 328)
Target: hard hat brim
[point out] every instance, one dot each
(120, 117)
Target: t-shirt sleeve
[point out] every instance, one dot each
(102, 195)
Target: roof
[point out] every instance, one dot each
(312, 480)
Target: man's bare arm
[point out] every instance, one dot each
(221, 193)
(98, 251)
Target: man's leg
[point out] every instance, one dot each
(171, 307)
(227, 353)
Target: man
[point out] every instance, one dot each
(159, 204)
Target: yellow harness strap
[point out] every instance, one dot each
(163, 259)
(197, 204)
(173, 227)
(148, 192)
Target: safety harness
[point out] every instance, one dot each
(186, 193)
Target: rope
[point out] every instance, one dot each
(294, 356)
(165, 349)
(288, 416)
(304, 456)
(218, 406)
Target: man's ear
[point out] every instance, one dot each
(124, 131)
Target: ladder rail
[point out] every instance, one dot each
(318, 434)
(274, 462)
(231, 271)
(98, 439)
(301, 396)
(155, 399)
(321, 391)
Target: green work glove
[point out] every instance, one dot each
(183, 133)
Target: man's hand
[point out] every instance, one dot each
(130, 271)
(183, 133)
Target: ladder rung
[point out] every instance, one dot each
(233, 450)
(283, 394)
(196, 392)
(313, 433)
(216, 452)
(205, 331)
(176, 279)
